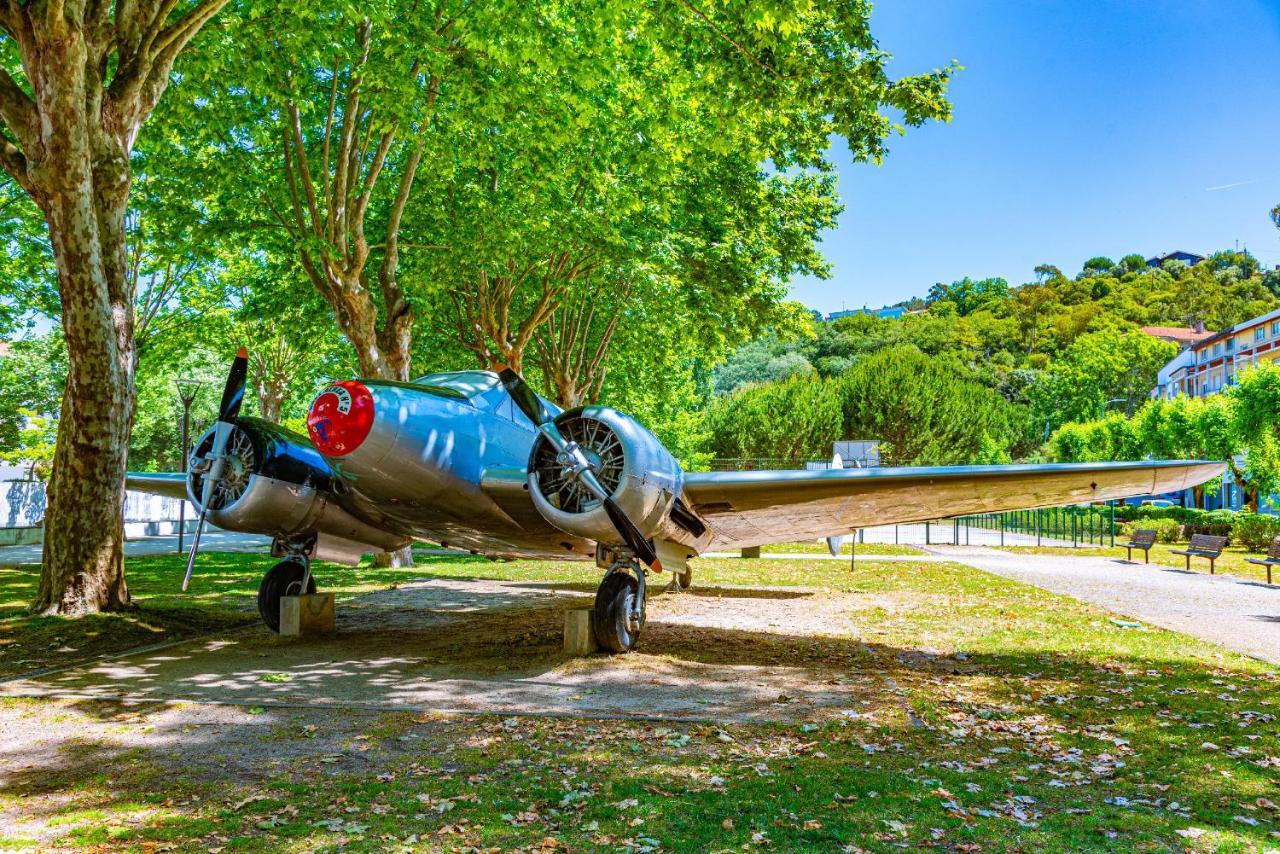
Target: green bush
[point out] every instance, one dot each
(1215, 523)
(1218, 523)
(1167, 530)
(1255, 531)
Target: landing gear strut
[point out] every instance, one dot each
(619, 612)
(290, 577)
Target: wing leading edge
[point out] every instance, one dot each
(168, 484)
(752, 508)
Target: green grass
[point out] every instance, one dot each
(983, 713)
(223, 593)
(1233, 560)
(811, 547)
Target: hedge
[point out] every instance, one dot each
(1255, 531)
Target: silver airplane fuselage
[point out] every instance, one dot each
(440, 457)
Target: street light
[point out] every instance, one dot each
(1102, 411)
(187, 390)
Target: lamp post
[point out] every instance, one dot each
(1102, 412)
(187, 391)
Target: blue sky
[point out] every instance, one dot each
(1080, 129)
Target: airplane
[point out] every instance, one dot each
(477, 460)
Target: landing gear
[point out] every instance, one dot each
(290, 577)
(619, 612)
(681, 580)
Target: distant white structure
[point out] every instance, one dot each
(858, 453)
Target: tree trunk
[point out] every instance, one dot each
(67, 136)
(83, 564)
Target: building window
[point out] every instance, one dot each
(1275, 328)
(1260, 333)
(1217, 348)
(1231, 344)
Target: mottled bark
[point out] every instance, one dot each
(66, 138)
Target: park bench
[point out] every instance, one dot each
(1272, 558)
(1143, 538)
(1205, 546)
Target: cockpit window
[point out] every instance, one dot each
(458, 383)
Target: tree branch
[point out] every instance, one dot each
(18, 112)
(15, 164)
(722, 34)
(176, 36)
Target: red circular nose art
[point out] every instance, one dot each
(340, 418)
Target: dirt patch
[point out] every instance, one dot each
(729, 653)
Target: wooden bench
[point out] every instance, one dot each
(1143, 538)
(1272, 558)
(1205, 546)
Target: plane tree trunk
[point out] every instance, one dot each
(573, 344)
(332, 176)
(93, 73)
(497, 316)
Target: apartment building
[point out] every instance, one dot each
(1211, 364)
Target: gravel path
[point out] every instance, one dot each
(1240, 614)
(484, 645)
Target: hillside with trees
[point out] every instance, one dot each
(1055, 350)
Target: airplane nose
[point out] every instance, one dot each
(341, 417)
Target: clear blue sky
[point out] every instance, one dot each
(1080, 129)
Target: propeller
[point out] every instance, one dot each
(216, 460)
(579, 466)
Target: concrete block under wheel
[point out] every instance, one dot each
(578, 637)
(304, 616)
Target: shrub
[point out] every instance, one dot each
(1167, 530)
(1215, 523)
(1255, 531)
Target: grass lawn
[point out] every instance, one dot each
(811, 547)
(1232, 560)
(984, 715)
(223, 594)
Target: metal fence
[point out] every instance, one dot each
(1074, 525)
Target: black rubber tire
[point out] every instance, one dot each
(683, 580)
(283, 579)
(609, 617)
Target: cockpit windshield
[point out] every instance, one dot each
(464, 384)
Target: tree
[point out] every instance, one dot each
(1099, 265)
(1098, 370)
(77, 82)
(1238, 427)
(788, 422)
(968, 295)
(556, 142)
(926, 410)
(1132, 263)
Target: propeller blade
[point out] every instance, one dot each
(233, 391)
(531, 405)
(232, 397)
(191, 557)
(638, 542)
(525, 398)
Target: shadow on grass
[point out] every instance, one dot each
(900, 684)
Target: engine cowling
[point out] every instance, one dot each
(640, 474)
(274, 482)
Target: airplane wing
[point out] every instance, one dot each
(753, 508)
(168, 484)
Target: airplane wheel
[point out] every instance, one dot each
(683, 580)
(611, 618)
(283, 579)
